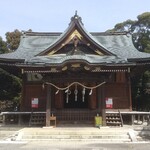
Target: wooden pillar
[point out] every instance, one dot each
(93, 98)
(99, 100)
(19, 119)
(129, 87)
(23, 92)
(103, 106)
(59, 100)
(48, 105)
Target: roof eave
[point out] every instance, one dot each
(36, 64)
(11, 60)
(139, 59)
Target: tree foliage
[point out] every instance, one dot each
(140, 29)
(124, 26)
(10, 86)
(13, 39)
(3, 46)
(142, 32)
(141, 99)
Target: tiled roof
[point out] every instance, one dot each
(119, 46)
(30, 46)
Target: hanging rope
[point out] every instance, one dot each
(75, 83)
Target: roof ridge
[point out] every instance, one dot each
(42, 33)
(59, 33)
(108, 33)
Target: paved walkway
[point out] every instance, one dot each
(46, 145)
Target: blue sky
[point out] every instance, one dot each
(54, 15)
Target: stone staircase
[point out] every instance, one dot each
(143, 133)
(91, 134)
(8, 133)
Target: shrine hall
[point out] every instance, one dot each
(75, 75)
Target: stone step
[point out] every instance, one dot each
(82, 140)
(75, 137)
(144, 135)
(147, 128)
(6, 134)
(59, 134)
(74, 133)
(2, 133)
(139, 138)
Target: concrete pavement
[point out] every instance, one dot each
(46, 145)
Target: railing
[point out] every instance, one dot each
(134, 117)
(75, 114)
(72, 115)
(120, 118)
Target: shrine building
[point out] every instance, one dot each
(76, 75)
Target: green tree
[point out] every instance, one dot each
(140, 29)
(142, 98)
(3, 46)
(141, 39)
(10, 86)
(141, 32)
(13, 39)
(125, 26)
